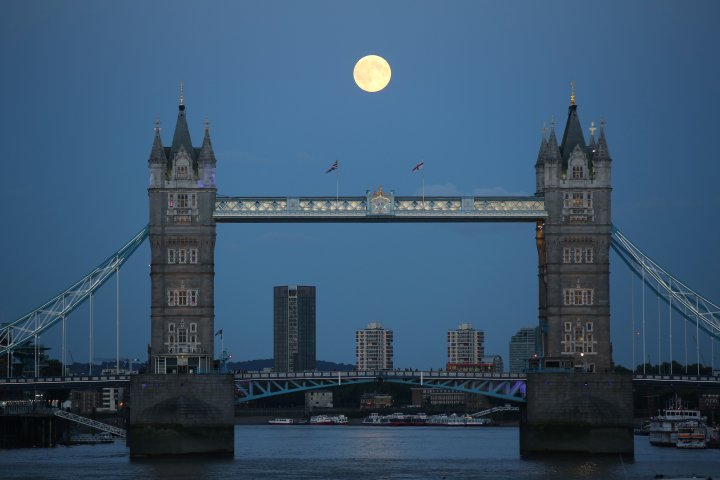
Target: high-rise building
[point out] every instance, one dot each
(522, 348)
(294, 328)
(466, 346)
(374, 348)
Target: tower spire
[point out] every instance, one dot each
(182, 96)
(572, 93)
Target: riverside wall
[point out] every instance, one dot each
(577, 413)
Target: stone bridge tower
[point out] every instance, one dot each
(182, 243)
(574, 248)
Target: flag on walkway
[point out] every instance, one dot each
(334, 166)
(418, 167)
(219, 332)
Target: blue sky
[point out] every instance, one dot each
(473, 82)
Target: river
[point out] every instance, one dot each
(358, 452)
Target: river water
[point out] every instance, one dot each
(358, 452)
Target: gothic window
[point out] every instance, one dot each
(193, 298)
(589, 200)
(171, 298)
(182, 256)
(566, 200)
(193, 255)
(193, 327)
(566, 255)
(578, 200)
(171, 255)
(568, 326)
(171, 339)
(182, 171)
(578, 296)
(182, 200)
(589, 255)
(171, 201)
(182, 297)
(578, 256)
(193, 200)
(578, 172)
(171, 327)
(182, 335)
(589, 326)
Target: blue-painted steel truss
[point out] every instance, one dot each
(254, 386)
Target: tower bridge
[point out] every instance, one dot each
(571, 213)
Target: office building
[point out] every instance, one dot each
(465, 345)
(522, 348)
(294, 328)
(374, 348)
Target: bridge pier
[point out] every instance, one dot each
(577, 413)
(181, 414)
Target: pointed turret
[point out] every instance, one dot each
(540, 164)
(181, 138)
(157, 152)
(573, 135)
(157, 162)
(206, 160)
(601, 152)
(553, 154)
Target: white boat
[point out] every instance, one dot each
(691, 434)
(328, 420)
(663, 428)
(455, 420)
(281, 421)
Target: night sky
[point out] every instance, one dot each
(472, 83)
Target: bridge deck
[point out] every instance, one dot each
(379, 208)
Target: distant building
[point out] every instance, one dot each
(435, 397)
(318, 399)
(112, 399)
(294, 328)
(465, 345)
(374, 348)
(522, 348)
(370, 401)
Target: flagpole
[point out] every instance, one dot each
(422, 175)
(337, 188)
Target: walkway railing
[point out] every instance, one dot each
(380, 207)
(120, 432)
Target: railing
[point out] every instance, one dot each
(120, 432)
(378, 207)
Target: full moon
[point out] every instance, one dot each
(372, 73)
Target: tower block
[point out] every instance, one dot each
(575, 402)
(182, 242)
(574, 248)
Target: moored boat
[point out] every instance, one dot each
(663, 430)
(691, 434)
(328, 420)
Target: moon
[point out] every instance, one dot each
(372, 73)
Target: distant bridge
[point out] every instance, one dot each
(254, 385)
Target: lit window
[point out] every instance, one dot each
(578, 200)
(578, 256)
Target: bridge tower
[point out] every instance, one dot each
(574, 247)
(182, 243)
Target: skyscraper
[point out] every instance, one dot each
(522, 348)
(374, 348)
(294, 328)
(466, 346)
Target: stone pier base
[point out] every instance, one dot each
(181, 414)
(577, 413)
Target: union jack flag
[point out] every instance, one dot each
(418, 167)
(334, 166)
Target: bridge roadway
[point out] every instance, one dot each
(255, 385)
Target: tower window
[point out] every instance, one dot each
(171, 255)
(578, 172)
